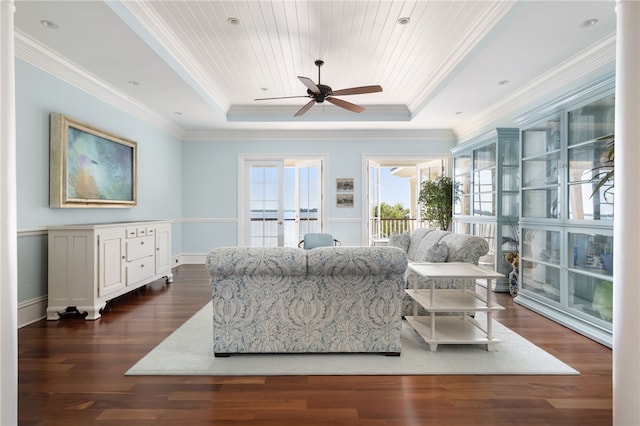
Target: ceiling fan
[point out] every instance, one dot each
(321, 92)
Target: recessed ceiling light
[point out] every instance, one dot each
(503, 82)
(49, 24)
(134, 83)
(459, 113)
(177, 113)
(589, 23)
(404, 20)
(264, 89)
(233, 21)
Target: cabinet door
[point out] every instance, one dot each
(163, 249)
(111, 275)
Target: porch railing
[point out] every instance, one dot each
(382, 228)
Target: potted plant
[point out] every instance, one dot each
(436, 199)
(604, 171)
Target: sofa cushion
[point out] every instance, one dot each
(427, 242)
(415, 239)
(465, 248)
(400, 241)
(437, 252)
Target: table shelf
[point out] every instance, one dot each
(452, 330)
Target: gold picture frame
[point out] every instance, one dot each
(90, 167)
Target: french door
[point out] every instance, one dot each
(282, 201)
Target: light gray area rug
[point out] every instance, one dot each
(188, 351)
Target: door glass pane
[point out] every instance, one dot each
(541, 203)
(308, 205)
(264, 204)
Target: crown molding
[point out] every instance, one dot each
(285, 113)
(34, 53)
(589, 61)
(420, 135)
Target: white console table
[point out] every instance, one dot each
(453, 329)
(92, 264)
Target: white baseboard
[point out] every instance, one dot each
(194, 259)
(31, 311)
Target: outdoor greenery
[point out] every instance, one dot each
(436, 199)
(397, 211)
(395, 218)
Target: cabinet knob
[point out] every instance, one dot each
(123, 257)
(141, 243)
(142, 266)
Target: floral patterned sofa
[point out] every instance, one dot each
(430, 245)
(328, 299)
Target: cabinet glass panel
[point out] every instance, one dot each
(593, 296)
(510, 156)
(462, 178)
(541, 279)
(488, 232)
(510, 238)
(510, 204)
(542, 170)
(461, 227)
(541, 245)
(541, 203)
(591, 252)
(592, 121)
(485, 157)
(542, 138)
(484, 196)
(510, 177)
(587, 165)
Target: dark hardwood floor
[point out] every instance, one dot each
(71, 372)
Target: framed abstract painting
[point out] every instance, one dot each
(90, 167)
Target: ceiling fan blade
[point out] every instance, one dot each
(357, 90)
(281, 97)
(310, 84)
(304, 108)
(344, 104)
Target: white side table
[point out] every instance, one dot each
(453, 329)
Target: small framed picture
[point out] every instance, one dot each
(344, 184)
(344, 200)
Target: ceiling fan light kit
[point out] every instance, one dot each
(321, 92)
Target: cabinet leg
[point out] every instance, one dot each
(93, 312)
(490, 347)
(433, 347)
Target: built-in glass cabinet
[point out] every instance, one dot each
(487, 175)
(566, 223)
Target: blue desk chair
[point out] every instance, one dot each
(313, 240)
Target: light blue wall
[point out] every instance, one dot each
(159, 154)
(159, 169)
(211, 182)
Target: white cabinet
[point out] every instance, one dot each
(566, 225)
(486, 171)
(92, 264)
